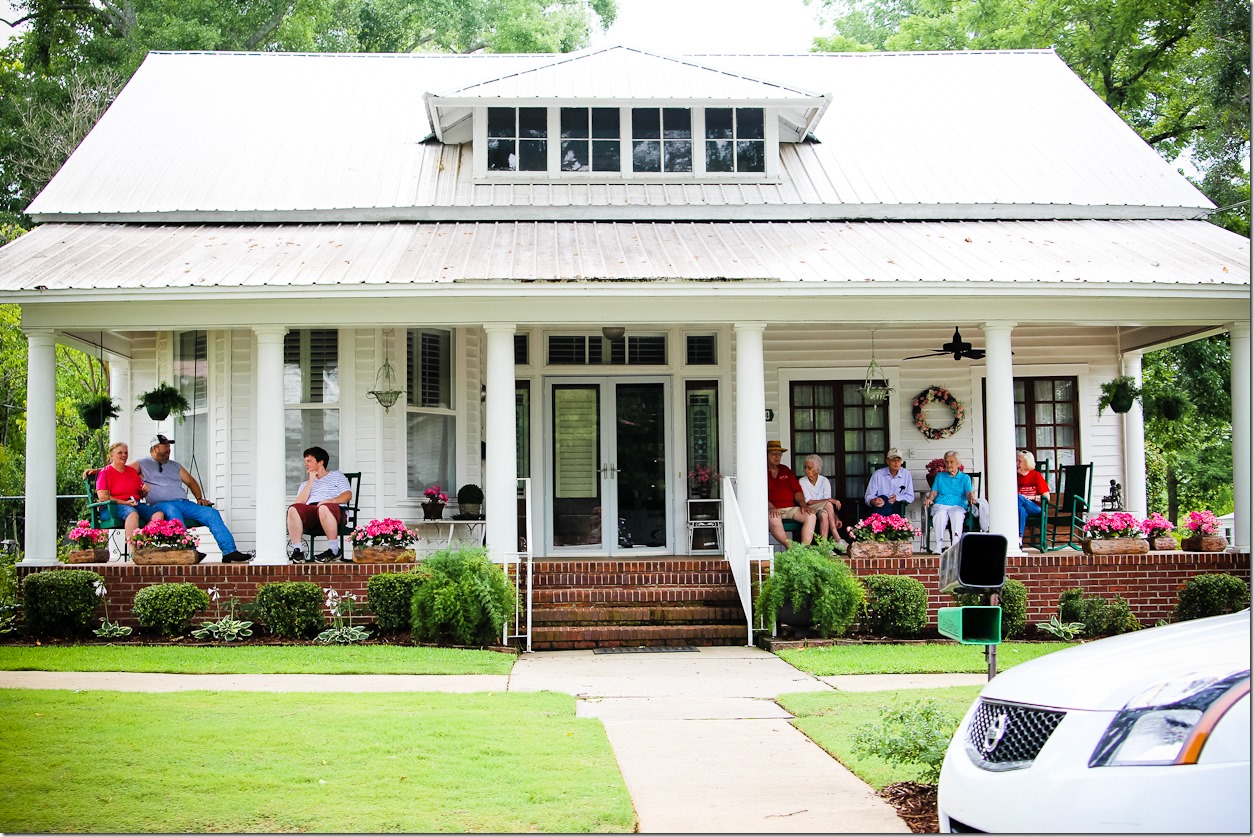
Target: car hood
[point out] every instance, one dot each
(1107, 673)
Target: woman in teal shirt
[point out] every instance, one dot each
(949, 499)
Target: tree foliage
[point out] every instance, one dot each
(1178, 71)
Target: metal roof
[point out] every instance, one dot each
(234, 137)
(103, 258)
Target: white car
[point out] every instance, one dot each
(1144, 732)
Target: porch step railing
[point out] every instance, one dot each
(520, 568)
(740, 556)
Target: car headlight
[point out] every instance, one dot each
(1169, 722)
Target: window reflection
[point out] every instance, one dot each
(735, 140)
(517, 139)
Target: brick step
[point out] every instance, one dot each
(675, 594)
(626, 614)
(679, 563)
(553, 638)
(631, 579)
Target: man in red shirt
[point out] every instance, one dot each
(784, 497)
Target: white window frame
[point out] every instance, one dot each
(337, 455)
(455, 361)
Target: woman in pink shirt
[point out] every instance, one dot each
(126, 487)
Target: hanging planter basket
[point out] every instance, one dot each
(1119, 395)
(97, 411)
(160, 402)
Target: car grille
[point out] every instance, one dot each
(1005, 736)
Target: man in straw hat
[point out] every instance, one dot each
(784, 498)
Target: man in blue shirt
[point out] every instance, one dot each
(891, 489)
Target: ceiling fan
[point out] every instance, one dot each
(956, 347)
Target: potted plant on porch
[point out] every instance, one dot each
(385, 541)
(1203, 534)
(165, 542)
(163, 400)
(882, 536)
(1157, 531)
(470, 501)
(1118, 394)
(91, 545)
(95, 410)
(433, 505)
(1114, 533)
(808, 590)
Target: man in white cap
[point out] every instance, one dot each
(168, 482)
(891, 489)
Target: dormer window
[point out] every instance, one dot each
(661, 139)
(517, 139)
(735, 140)
(591, 139)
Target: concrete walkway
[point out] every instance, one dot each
(700, 742)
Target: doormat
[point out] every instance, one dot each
(644, 649)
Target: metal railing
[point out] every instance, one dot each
(519, 567)
(70, 509)
(740, 555)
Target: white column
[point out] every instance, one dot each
(751, 430)
(1135, 498)
(500, 483)
(1239, 334)
(271, 448)
(120, 391)
(1000, 486)
(41, 447)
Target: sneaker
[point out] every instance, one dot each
(297, 556)
(237, 556)
(326, 556)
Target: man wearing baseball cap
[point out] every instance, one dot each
(891, 489)
(168, 482)
(784, 498)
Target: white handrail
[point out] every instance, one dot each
(738, 552)
(523, 588)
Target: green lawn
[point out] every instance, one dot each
(256, 659)
(831, 719)
(229, 762)
(930, 658)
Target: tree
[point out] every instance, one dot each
(1178, 71)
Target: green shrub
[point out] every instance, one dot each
(1212, 595)
(916, 733)
(461, 596)
(1070, 608)
(806, 579)
(896, 606)
(1014, 607)
(1122, 620)
(291, 608)
(1100, 617)
(169, 608)
(60, 602)
(390, 596)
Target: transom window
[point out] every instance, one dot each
(518, 139)
(661, 139)
(590, 139)
(735, 139)
(632, 350)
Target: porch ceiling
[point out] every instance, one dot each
(89, 260)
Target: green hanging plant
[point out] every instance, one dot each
(1118, 394)
(95, 410)
(163, 400)
(1171, 405)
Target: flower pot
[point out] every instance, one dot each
(432, 511)
(1164, 543)
(95, 417)
(157, 412)
(382, 555)
(472, 509)
(800, 621)
(1204, 543)
(88, 556)
(166, 555)
(881, 549)
(1116, 546)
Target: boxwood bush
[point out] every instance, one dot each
(896, 606)
(291, 608)
(1014, 607)
(1211, 595)
(60, 602)
(1101, 617)
(390, 596)
(461, 596)
(169, 608)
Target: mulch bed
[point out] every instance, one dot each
(916, 804)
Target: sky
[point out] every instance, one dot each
(686, 26)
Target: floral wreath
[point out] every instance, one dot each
(938, 395)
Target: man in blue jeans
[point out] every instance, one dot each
(168, 482)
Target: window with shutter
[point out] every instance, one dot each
(430, 420)
(311, 393)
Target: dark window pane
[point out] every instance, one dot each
(646, 156)
(500, 122)
(750, 156)
(649, 350)
(676, 123)
(533, 122)
(575, 155)
(521, 355)
(534, 155)
(605, 155)
(565, 350)
(575, 122)
(718, 123)
(702, 350)
(605, 123)
(501, 155)
(646, 123)
(718, 156)
(678, 155)
(749, 123)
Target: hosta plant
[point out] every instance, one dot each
(107, 629)
(342, 631)
(227, 628)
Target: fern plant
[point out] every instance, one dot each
(806, 579)
(461, 595)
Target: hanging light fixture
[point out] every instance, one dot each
(385, 388)
(876, 389)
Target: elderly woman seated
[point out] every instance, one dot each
(951, 497)
(818, 493)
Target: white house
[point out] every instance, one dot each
(601, 270)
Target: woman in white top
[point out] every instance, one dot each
(818, 494)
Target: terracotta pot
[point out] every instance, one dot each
(432, 511)
(384, 555)
(88, 556)
(166, 556)
(1164, 543)
(1204, 543)
(1116, 546)
(881, 549)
